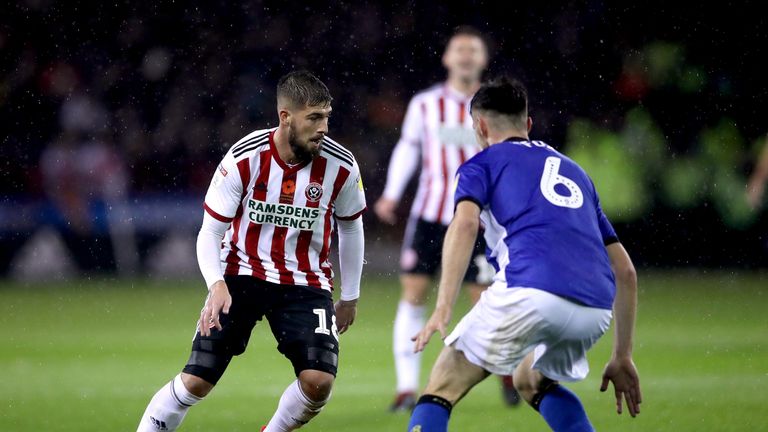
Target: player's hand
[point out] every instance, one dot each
(385, 210)
(626, 384)
(438, 322)
(346, 311)
(219, 301)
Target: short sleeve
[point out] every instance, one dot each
(350, 203)
(606, 229)
(225, 191)
(472, 184)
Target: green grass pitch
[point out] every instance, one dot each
(88, 356)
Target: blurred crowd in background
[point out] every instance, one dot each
(113, 116)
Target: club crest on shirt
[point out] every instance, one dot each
(313, 192)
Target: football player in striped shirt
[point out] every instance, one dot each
(270, 211)
(436, 134)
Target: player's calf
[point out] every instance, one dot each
(561, 408)
(168, 407)
(452, 377)
(301, 401)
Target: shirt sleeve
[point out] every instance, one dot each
(471, 184)
(209, 249)
(351, 253)
(606, 229)
(406, 155)
(225, 191)
(350, 203)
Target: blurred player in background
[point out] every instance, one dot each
(437, 132)
(756, 185)
(275, 200)
(560, 270)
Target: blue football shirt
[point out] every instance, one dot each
(543, 223)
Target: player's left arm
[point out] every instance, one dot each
(457, 251)
(348, 210)
(621, 370)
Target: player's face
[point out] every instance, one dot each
(307, 128)
(466, 57)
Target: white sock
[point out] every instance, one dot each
(294, 410)
(408, 322)
(168, 407)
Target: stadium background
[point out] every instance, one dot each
(113, 117)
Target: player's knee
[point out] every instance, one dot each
(206, 364)
(527, 383)
(196, 385)
(316, 385)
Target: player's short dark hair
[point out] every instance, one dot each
(503, 95)
(468, 30)
(302, 88)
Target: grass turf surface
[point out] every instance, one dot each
(88, 356)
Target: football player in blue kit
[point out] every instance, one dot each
(562, 275)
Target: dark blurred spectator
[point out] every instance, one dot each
(85, 182)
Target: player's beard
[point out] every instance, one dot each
(303, 153)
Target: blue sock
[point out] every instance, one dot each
(563, 411)
(430, 415)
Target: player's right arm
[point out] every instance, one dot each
(402, 165)
(221, 203)
(471, 196)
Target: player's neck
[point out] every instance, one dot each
(464, 87)
(284, 151)
(495, 137)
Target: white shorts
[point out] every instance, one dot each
(508, 323)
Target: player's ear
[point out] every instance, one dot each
(284, 115)
(482, 124)
(530, 124)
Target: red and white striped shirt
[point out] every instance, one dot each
(437, 131)
(282, 216)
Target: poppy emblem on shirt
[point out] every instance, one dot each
(313, 192)
(288, 187)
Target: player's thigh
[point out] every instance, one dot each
(211, 354)
(499, 330)
(304, 325)
(453, 375)
(574, 329)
